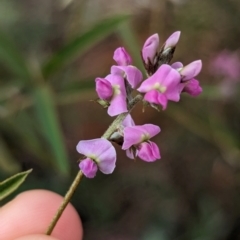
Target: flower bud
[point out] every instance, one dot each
(172, 40)
(150, 47)
(121, 57)
(103, 88)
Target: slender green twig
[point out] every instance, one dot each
(65, 202)
(115, 124)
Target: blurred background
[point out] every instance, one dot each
(50, 54)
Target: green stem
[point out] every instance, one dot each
(115, 124)
(65, 202)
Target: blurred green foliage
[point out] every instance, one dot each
(50, 53)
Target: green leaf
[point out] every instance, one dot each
(11, 184)
(48, 120)
(12, 59)
(81, 43)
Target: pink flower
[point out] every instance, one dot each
(112, 89)
(193, 88)
(136, 142)
(130, 73)
(121, 57)
(162, 86)
(100, 154)
(150, 49)
(191, 70)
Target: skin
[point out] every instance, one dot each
(28, 215)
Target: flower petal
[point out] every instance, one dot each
(132, 74)
(121, 57)
(177, 65)
(103, 88)
(118, 102)
(156, 97)
(172, 40)
(149, 151)
(150, 129)
(88, 167)
(130, 153)
(150, 48)
(128, 121)
(131, 136)
(107, 160)
(193, 88)
(191, 70)
(94, 148)
(136, 134)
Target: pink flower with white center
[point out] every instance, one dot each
(150, 49)
(121, 57)
(191, 70)
(192, 87)
(136, 142)
(100, 154)
(112, 89)
(132, 74)
(162, 86)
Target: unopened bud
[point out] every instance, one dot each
(150, 47)
(121, 57)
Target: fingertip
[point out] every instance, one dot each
(36, 237)
(31, 212)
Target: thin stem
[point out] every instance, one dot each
(115, 124)
(65, 202)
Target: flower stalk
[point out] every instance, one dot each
(118, 120)
(164, 83)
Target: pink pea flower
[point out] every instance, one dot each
(150, 49)
(112, 89)
(191, 70)
(132, 74)
(188, 72)
(136, 142)
(100, 154)
(121, 57)
(162, 86)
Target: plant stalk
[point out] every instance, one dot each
(115, 124)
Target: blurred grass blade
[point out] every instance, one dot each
(12, 59)
(190, 121)
(11, 184)
(48, 121)
(81, 43)
(7, 162)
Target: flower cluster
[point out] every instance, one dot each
(164, 82)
